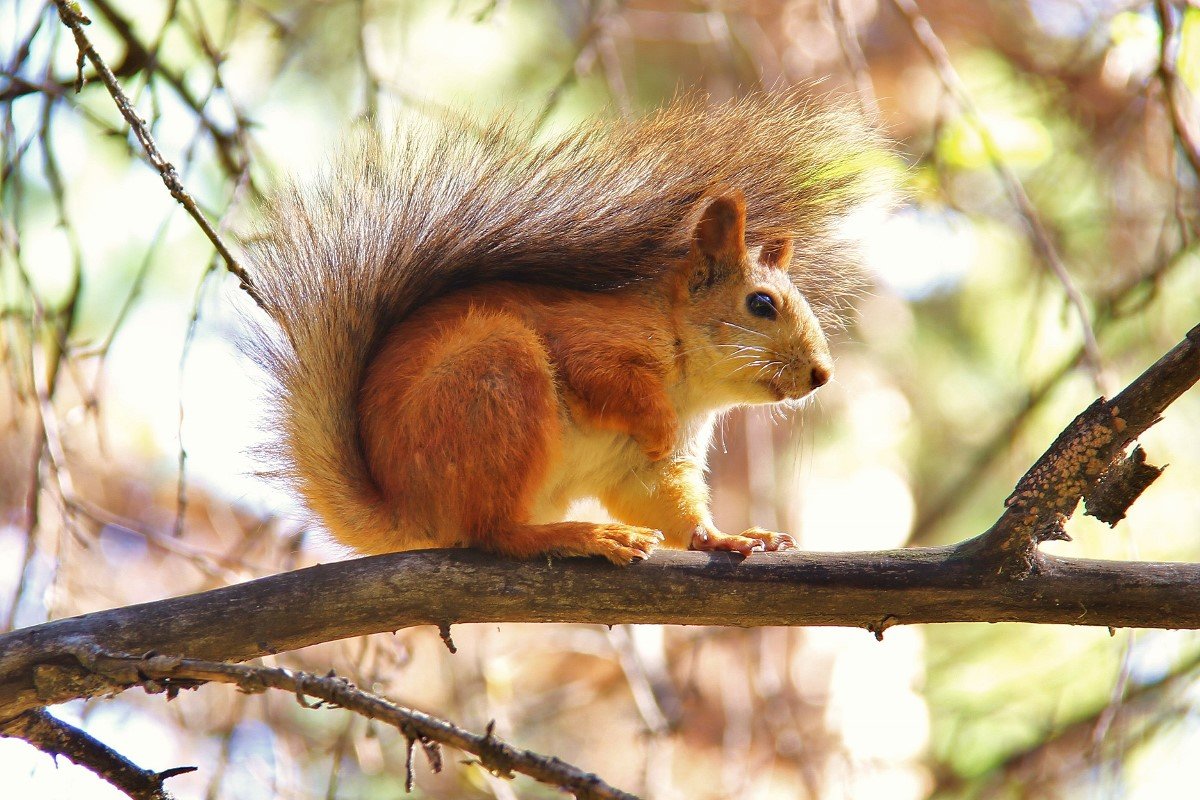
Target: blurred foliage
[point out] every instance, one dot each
(127, 473)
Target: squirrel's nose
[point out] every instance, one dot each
(820, 375)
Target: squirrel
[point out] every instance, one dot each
(472, 330)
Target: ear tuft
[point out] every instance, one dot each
(721, 232)
(777, 254)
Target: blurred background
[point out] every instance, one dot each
(1046, 253)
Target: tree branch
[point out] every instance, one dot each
(169, 674)
(1084, 455)
(41, 665)
(74, 18)
(55, 737)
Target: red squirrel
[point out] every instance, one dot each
(475, 330)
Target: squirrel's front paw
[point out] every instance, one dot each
(751, 541)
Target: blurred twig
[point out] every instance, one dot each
(592, 29)
(856, 62)
(1066, 745)
(1183, 123)
(940, 59)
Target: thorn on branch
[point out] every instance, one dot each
(433, 752)
(303, 702)
(431, 749)
(491, 754)
(1120, 486)
(882, 625)
(444, 632)
(1054, 530)
(408, 764)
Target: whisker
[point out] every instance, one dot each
(746, 330)
(738, 347)
(765, 367)
(760, 364)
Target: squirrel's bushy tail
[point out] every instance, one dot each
(390, 224)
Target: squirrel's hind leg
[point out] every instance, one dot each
(460, 423)
(461, 438)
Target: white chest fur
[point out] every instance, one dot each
(592, 461)
(589, 461)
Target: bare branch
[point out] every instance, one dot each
(74, 19)
(39, 665)
(1083, 453)
(56, 738)
(169, 674)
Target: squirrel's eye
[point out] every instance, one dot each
(762, 305)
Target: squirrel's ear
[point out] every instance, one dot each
(721, 232)
(777, 254)
(719, 241)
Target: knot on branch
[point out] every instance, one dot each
(1120, 486)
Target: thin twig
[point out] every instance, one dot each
(583, 47)
(165, 673)
(75, 20)
(181, 498)
(213, 565)
(56, 738)
(139, 57)
(856, 62)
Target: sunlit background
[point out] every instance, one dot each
(1041, 126)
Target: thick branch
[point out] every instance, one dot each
(40, 665)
